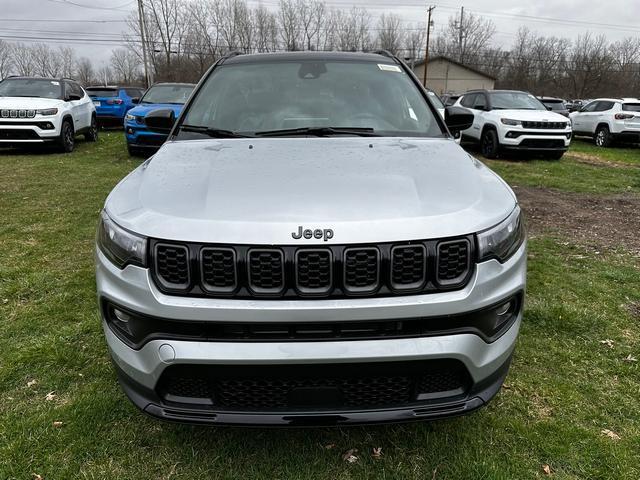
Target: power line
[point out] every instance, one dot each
(92, 7)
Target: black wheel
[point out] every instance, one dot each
(555, 155)
(92, 134)
(67, 139)
(603, 136)
(489, 145)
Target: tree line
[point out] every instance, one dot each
(184, 37)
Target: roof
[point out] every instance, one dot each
(307, 55)
(174, 84)
(455, 62)
(112, 87)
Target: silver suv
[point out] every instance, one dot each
(310, 247)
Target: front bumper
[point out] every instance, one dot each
(29, 130)
(139, 137)
(536, 140)
(140, 371)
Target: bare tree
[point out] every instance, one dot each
(22, 58)
(66, 57)
(125, 65)
(6, 59)
(266, 30)
(46, 60)
(312, 18)
(414, 42)
(465, 42)
(84, 70)
(289, 24)
(390, 35)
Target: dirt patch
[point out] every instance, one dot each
(594, 160)
(601, 222)
(634, 309)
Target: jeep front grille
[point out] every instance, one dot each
(545, 125)
(244, 271)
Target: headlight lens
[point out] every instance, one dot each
(119, 245)
(509, 121)
(47, 111)
(503, 240)
(129, 117)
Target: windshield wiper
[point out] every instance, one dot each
(319, 132)
(212, 132)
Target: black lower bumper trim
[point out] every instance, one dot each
(479, 395)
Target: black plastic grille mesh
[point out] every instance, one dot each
(351, 388)
(219, 268)
(408, 266)
(266, 270)
(545, 125)
(453, 260)
(313, 269)
(172, 264)
(361, 268)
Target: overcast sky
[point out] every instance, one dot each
(103, 20)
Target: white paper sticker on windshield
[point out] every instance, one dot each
(389, 68)
(55, 83)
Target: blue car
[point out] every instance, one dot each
(160, 96)
(113, 103)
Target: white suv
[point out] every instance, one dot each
(609, 119)
(512, 120)
(38, 110)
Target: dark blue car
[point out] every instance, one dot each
(160, 96)
(113, 103)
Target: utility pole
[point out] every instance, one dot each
(426, 49)
(143, 36)
(461, 33)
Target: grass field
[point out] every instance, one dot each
(571, 402)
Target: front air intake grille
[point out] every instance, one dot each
(408, 267)
(314, 270)
(361, 269)
(545, 125)
(172, 266)
(218, 266)
(319, 387)
(330, 271)
(266, 271)
(453, 261)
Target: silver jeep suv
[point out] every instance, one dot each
(310, 247)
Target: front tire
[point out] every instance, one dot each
(603, 137)
(67, 139)
(92, 134)
(489, 144)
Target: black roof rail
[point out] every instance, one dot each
(229, 55)
(385, 53)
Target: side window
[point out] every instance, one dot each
(468, 100)
(77, 89)
(480, 102)
(133, 92)
(591, 107)
(604, 106)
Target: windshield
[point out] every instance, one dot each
(266, 97)
(30, 87)
(515, 101)
(631, 107)
(167, 94)
(553, 105)
(435, 99)
(102, 92)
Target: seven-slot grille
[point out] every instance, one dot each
(545, 125)
(243, 271)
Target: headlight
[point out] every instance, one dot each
(508, 121)
(119, 245)
(129, 117)
(503, 240)
(47, 111)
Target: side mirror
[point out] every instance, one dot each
(135, 100)
(72, 97)
(160, 121)
(458, 119)
(548, 108)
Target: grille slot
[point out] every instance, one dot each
(172, 265)
(408, 267)
(299, 387)
(314, 271)
(218, 267)
(454, 261)
(266, 271)
(361, 270)
(545, 125)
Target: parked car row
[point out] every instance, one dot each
(36, 111)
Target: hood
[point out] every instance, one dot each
(259, 191)
(29, 103)
(142, 110)
(532, 115)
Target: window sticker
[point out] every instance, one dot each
(389, 68)
(55, 83)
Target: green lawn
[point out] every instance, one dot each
(564, 389)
